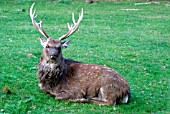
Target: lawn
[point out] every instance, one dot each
(132, 38)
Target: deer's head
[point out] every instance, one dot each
(53, 47)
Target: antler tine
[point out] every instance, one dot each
(73, 28)
(38, 26)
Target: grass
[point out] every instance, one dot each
(132, 39)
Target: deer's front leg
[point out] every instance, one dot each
(70, 97)
(63, 96)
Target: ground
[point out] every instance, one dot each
(129, 37)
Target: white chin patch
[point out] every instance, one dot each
(52, 66)
(125, 99)
(51, 57)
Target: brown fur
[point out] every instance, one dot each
(80, 82)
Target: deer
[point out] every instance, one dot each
(66, 79)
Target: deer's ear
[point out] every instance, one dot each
(43, 42)
(65, 44)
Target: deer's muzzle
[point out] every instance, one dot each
(53, 54)
(53, 57)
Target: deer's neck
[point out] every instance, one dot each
(51, 73)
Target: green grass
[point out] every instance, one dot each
(136, 43)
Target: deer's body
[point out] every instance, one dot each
(70, 80)
(83, 82)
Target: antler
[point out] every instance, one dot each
(71, 28)
(38, 26)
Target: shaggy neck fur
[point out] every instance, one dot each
(50, 74)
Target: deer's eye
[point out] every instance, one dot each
(58, 48)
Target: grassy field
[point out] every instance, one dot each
(132, 38)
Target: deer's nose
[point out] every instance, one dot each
(53, 54)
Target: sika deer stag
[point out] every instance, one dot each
(78, 82)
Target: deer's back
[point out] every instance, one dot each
(89, 78)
